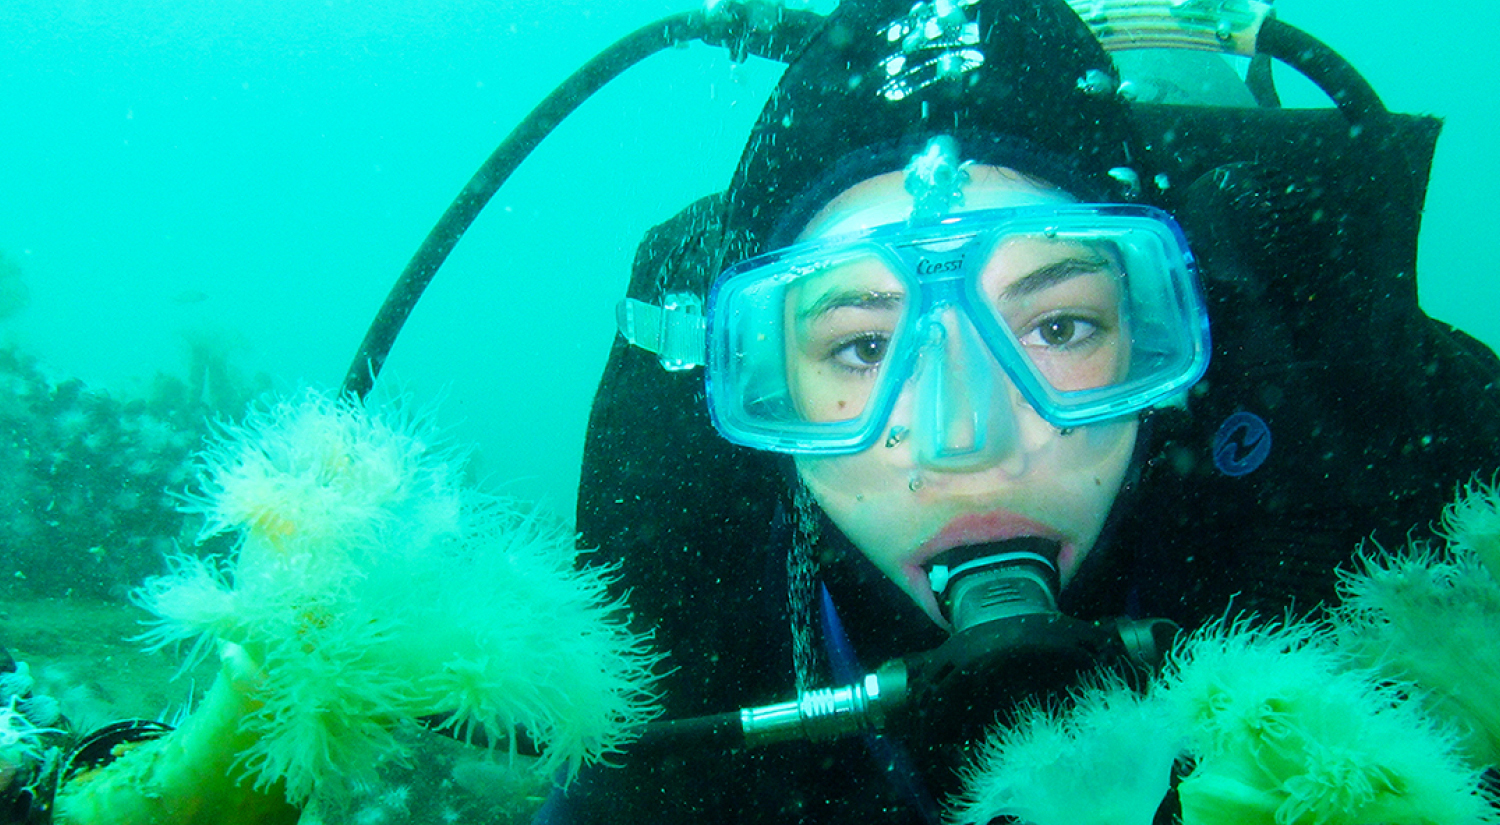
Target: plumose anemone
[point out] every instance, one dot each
(1279, 728)
(20, 739)
(1106, 760)
(1431, 615)
(1285, 730)
(370, 588)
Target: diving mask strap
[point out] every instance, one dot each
(675, 331)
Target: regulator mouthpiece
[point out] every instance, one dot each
(997, 580)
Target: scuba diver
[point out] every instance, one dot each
(961, 434)
(984, 374)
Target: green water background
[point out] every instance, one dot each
(242, 181)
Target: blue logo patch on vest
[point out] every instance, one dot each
(1241, 444)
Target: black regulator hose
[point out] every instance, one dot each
(1009, 642)
(1326, 68)
(744, 28)
(722, 731)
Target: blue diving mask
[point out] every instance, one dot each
(1091, 312)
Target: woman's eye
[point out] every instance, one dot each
(861, 353)
(1060, 332)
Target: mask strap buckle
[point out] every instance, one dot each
(675, 331)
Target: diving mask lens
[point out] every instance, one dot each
(1091, 311)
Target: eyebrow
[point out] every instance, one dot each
(852, 299)
(1053, 274)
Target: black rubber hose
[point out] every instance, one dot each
(498, 167)
(721, 731)
(740, 29)
(1329, 71)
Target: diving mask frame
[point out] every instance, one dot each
(1119, 276)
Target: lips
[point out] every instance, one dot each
(984, 528)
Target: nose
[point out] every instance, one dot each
(965, 404)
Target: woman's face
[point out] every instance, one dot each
(899, 506)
